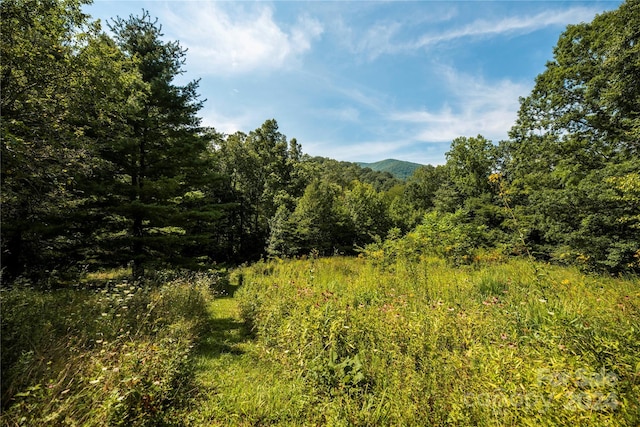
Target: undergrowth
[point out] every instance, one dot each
(107, 352)
(336, 341)
(416, 342)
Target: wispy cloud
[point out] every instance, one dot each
(342, 114)
(391, 37)
(226, 123)
(509, 25)
(228, 38)
(474, 107)
(379, 39)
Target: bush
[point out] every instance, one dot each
(444, 235)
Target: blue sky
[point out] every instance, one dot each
(364, 81)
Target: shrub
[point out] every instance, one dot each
(444, 235)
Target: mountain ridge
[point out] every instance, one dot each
(398, 168)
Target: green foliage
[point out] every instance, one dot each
(161, 156)
(425, 344)
(110, 353)
(368, 213)
(576, 135)
(266, 175)
(446, 235)
(329, 219)
(99, 148)
(105, 163)
(470, 161)
(416, 197)
(321, 221)
(43, 153)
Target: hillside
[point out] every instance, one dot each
(398, 168)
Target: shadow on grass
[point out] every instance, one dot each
(227, 289)
(223, 336)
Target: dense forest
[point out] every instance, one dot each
(105, 163)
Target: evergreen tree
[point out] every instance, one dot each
(267, 175)
(159, 160)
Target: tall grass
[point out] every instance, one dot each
(421, 343)
(109, 352)
(336, 341)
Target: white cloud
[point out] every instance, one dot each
(390, 38)
(228, 38)
(510, 25)
(225, 123)
(342, 114)
(384, 36)
(379, 39)
(475, 107)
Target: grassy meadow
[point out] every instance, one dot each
(328, 341)
(421, 343)
(106, 352)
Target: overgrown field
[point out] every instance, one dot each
(421, 343)
(331, 341)
(109, 352)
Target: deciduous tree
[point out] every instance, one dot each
(576, 136)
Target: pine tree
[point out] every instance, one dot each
(159, 194)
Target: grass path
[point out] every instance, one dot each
(238, 384)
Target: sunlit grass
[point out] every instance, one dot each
(116, 354)
(335, 341)
(238, 383)
(115, 274)
(426, 344)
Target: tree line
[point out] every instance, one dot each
(105, 161)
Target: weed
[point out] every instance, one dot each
(427, 344)
(108, 353)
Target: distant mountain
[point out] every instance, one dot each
(398, 168)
